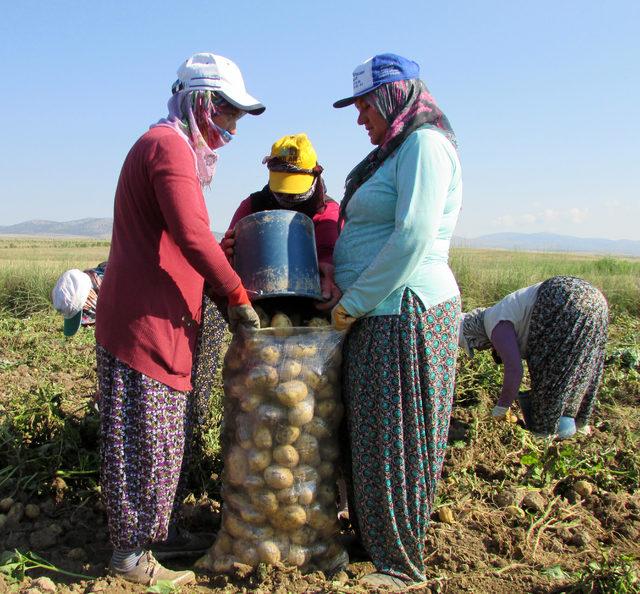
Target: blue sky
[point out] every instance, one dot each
(542, 95)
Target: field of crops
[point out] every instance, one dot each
(513, 514)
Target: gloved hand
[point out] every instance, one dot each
(340, 318)
(240, 311)
(499, 411)
(242, 315)
(330, 292)
(504, 413)
(228, 243)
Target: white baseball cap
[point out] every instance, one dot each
(69, 296)
(209, 72)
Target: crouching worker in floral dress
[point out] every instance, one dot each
(559, 327)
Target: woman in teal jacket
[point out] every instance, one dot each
(402, 306)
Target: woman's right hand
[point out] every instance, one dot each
(228, 244)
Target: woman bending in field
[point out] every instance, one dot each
(559, 327)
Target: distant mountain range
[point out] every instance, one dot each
(545, 242)
(549, 242)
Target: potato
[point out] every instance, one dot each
(261, 377)
(250, 401)
(224, 564)
(269, 552)
(328, 392)
(309, 377)
(236, 466)
(305, 474)
(259, 532)
(286, 455)
(251, 515)
(234, 525)
(308, 448)
(223, 544)
(270, 414)
(325, 408)
(300, 350)
(318, 323)
(269, 354)
(262, 437)
(246, 553)
(280, 320)
(264, 318)
(243, 431)
(236, 501)
(304, 536)
(329, 451)
(264, 501)
(298, 555)
(317, 427)
(287, 434)
(289, 517)
(289, 370)
(281, 540)
(258, 460)
(321, 521)
(253, 481)
(302, 413)
(306, 493)
(278, 477)
(287, 496)
(326, 470)
(292, 392)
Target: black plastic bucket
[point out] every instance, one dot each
(275, 255)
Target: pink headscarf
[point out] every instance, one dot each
(190, 114)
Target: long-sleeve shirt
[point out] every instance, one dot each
(507, 325)
(398, 229)
(162, 250)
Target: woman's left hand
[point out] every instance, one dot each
(330, 292)
(340, 318)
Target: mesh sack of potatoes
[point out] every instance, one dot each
(282, 408)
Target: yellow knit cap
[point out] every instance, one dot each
(297, 150)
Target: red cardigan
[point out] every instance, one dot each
(162, 250)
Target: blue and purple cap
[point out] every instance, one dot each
(376, 71)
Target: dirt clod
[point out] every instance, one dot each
(15, 515)
(46, 537)
(533, 501)
(44, 584)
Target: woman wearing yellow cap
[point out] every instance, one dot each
(295, 183)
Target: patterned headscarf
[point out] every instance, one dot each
(190, 114)
(472, 334)
(406, 105)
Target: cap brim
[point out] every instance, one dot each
(345, 102)
(71, 325)
(244, 102)
(289, 183)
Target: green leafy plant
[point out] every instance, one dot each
(14, 565)
(616, 575)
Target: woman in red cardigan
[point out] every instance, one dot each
(149, 312)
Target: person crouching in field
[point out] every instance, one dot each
(75, 296)
(559, 327)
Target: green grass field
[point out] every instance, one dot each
(48, 436)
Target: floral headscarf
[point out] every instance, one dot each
(406, 105)
(472, 334)
(190, 114)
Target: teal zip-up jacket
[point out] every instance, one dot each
(398, 229)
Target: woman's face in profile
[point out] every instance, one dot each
(372, 120)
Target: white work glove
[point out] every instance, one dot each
(499, 411)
